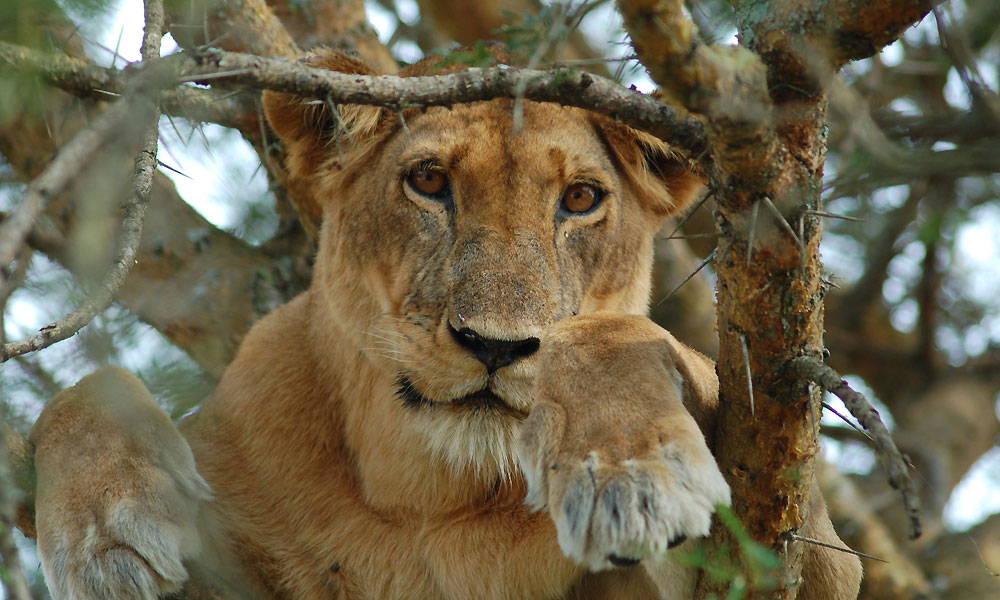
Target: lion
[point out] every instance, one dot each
(468, 402)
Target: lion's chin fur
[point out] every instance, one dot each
(470, 440)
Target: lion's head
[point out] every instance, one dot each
(450, 242)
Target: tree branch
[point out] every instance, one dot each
(565, 86)
(786, 33)
(726, 84)
(885, 449)
(569, 87)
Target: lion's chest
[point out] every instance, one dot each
(492, 554)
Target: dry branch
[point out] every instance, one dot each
(885, 448)
(570, 87)
(565, 86)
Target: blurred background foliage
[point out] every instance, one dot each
(913, 315)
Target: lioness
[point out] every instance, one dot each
(467, 403)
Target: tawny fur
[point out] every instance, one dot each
(326, 483)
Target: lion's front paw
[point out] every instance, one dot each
(609, 446)
(616, 512)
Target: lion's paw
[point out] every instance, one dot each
(614, 513)
(129, 552)
(118, 494)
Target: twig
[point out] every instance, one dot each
(885, 448)
(808, 540)
(705, 262)
(693, 236)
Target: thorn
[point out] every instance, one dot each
(169, 168)
(784, 223)
(228, 96)
(691, 212)
(753, 229)
(845, 420)
(763, 289)
(260, 165)
(807, 540)
(707, 260)
(802, 236)
(829, 215)
(746, 365)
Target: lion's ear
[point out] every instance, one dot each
(660, 175)
(315, 131)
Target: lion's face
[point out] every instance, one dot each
(451, 242)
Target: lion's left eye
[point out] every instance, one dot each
(429, 181)
(581, 198)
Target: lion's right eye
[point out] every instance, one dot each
(429, 181)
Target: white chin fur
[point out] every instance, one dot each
(478, 439)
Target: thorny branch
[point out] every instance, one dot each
(570, 87)
(87, 80)
(885, 448)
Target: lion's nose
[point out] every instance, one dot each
(495, 354)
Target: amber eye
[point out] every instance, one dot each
(580, 198)
(429, 181)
